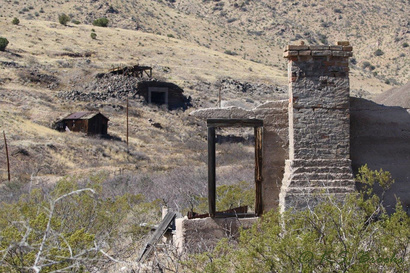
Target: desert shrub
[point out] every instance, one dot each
(76, 22)
(378, 52)
(355, 236)
(405, 44)
(170, 35)
(230, 52)
(353, 61)
(93, 35)
(3, 43)
(69, 228)
(366, 64)
(15, 21)
(229, 197)
(101, 22)
(323, 38)
(63, 19)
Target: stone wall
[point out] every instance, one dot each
(319, 124)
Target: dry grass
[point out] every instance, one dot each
(41, 47)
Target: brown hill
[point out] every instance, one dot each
(395, 97)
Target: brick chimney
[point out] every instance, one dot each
(319, 124)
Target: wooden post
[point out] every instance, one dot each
(211, 172)
(7, 155)
(219, 97)
(127, 123)
(258, 171)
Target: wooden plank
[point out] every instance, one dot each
(7, 156)
(237, 215)
(258, 171)
(162, 228)
(234, 123)
(211, 172)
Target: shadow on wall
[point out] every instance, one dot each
(380, 138)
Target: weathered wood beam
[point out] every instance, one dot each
(234, 123)
(211, 172)
(258, 170)
(7, 156)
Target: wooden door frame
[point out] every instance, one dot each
(257, 124)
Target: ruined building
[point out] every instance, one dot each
(306, 142)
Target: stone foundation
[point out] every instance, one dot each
(200, 235)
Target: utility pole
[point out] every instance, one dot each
(127, 123)
(7, 155)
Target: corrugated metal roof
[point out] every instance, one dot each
(83, 115)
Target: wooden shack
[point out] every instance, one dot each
(163, 93)
(91, 123)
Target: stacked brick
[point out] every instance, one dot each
(319, 124)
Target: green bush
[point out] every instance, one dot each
(405, 44)
(378, 52)
(3, 43)
(76, 22)
(101, 22)
(366, 64)
(93, 35)
(68, 228)
(15, 21)
(63, 19)
(355, 236)
(230, 52)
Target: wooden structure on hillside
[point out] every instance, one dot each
(135, 71)
(91, 123)
(160, 93)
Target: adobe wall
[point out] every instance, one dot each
(380, 138)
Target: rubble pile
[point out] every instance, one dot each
(103, 88)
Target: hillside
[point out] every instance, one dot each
(258, 30)
(37, 69)
(201, 46)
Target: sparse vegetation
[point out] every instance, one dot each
(75, 22)
(3, 43)
(405, 44)
(230, 52)
(378, 52)
(93, 35)
(15, 21)
(71, 227)
(101, 22)
(357, 236)
(63, 19)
